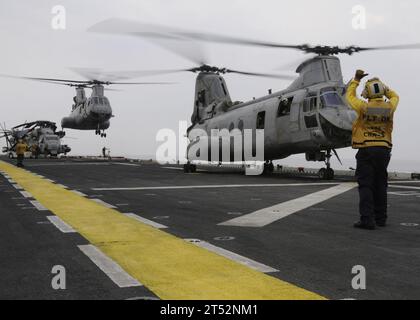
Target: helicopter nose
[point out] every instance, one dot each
(101, 112)
(341, 118)
(337, 125)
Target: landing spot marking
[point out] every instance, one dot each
(146, 221)
(109, 267)
(233, 256)
(271, 214)
(60, 224)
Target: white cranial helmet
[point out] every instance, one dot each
(374, 88)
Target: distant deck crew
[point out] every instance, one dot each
(21, 148)
(372, 136)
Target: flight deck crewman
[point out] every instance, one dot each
(372, 136)
(21, 148)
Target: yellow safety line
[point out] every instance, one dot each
(169, 266)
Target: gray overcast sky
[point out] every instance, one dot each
(29, 46)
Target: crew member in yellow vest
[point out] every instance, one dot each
(21, 148)
(372, 136)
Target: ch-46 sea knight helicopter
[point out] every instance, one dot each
(42, 139)
(89, 113)
(310, 116)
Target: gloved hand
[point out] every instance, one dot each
(360, 74)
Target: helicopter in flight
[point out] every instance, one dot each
(310, 116)
(88, 113)
(41, 136)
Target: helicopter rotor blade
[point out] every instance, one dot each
(128, 27)
(168, 38)
(45, 79)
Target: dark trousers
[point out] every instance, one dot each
(372, 176)
(20, 158)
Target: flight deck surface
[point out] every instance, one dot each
(128, 230)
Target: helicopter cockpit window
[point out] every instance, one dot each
(331, 99)
(284, 107)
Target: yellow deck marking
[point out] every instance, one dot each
(169, 266)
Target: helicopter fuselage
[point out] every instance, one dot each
(310, 116)
(93, 113)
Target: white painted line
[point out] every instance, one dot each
(26, 194)
(60, 224)
(104, 203)
(37, 205)
(232, 256)
(403, 181)
(219, 186)
(11, 181)
(109, 267)
(404, 187)
(127, 164)
(52, 181)
(145, 221)
(79, 193)
(17, 187)
(62, 186)
(269, 215)
(173, 168)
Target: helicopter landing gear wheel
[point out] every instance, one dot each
(327, 173)
(268, 167)
(190, 168)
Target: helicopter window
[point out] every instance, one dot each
(261, 120)
(241, 125)
(284, 107)
(330, 99)
(309, 104)
(310, 121)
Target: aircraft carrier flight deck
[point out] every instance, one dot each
(139, 230)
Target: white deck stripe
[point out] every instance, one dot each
(79, 193)
(269, 215)
(219, 186)
(62, 186)
(104, 203)
(37, 205)
(17, 187)
(26, 194)
(109, 267)
(60, 224)
(404, 187)
(233, 256)
(127, 164)
(146, 221)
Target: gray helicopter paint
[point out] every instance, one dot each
(39, 134)
(91, 113)
(288, 134)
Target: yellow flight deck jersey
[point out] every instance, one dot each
(374, 123)
(21, 148)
